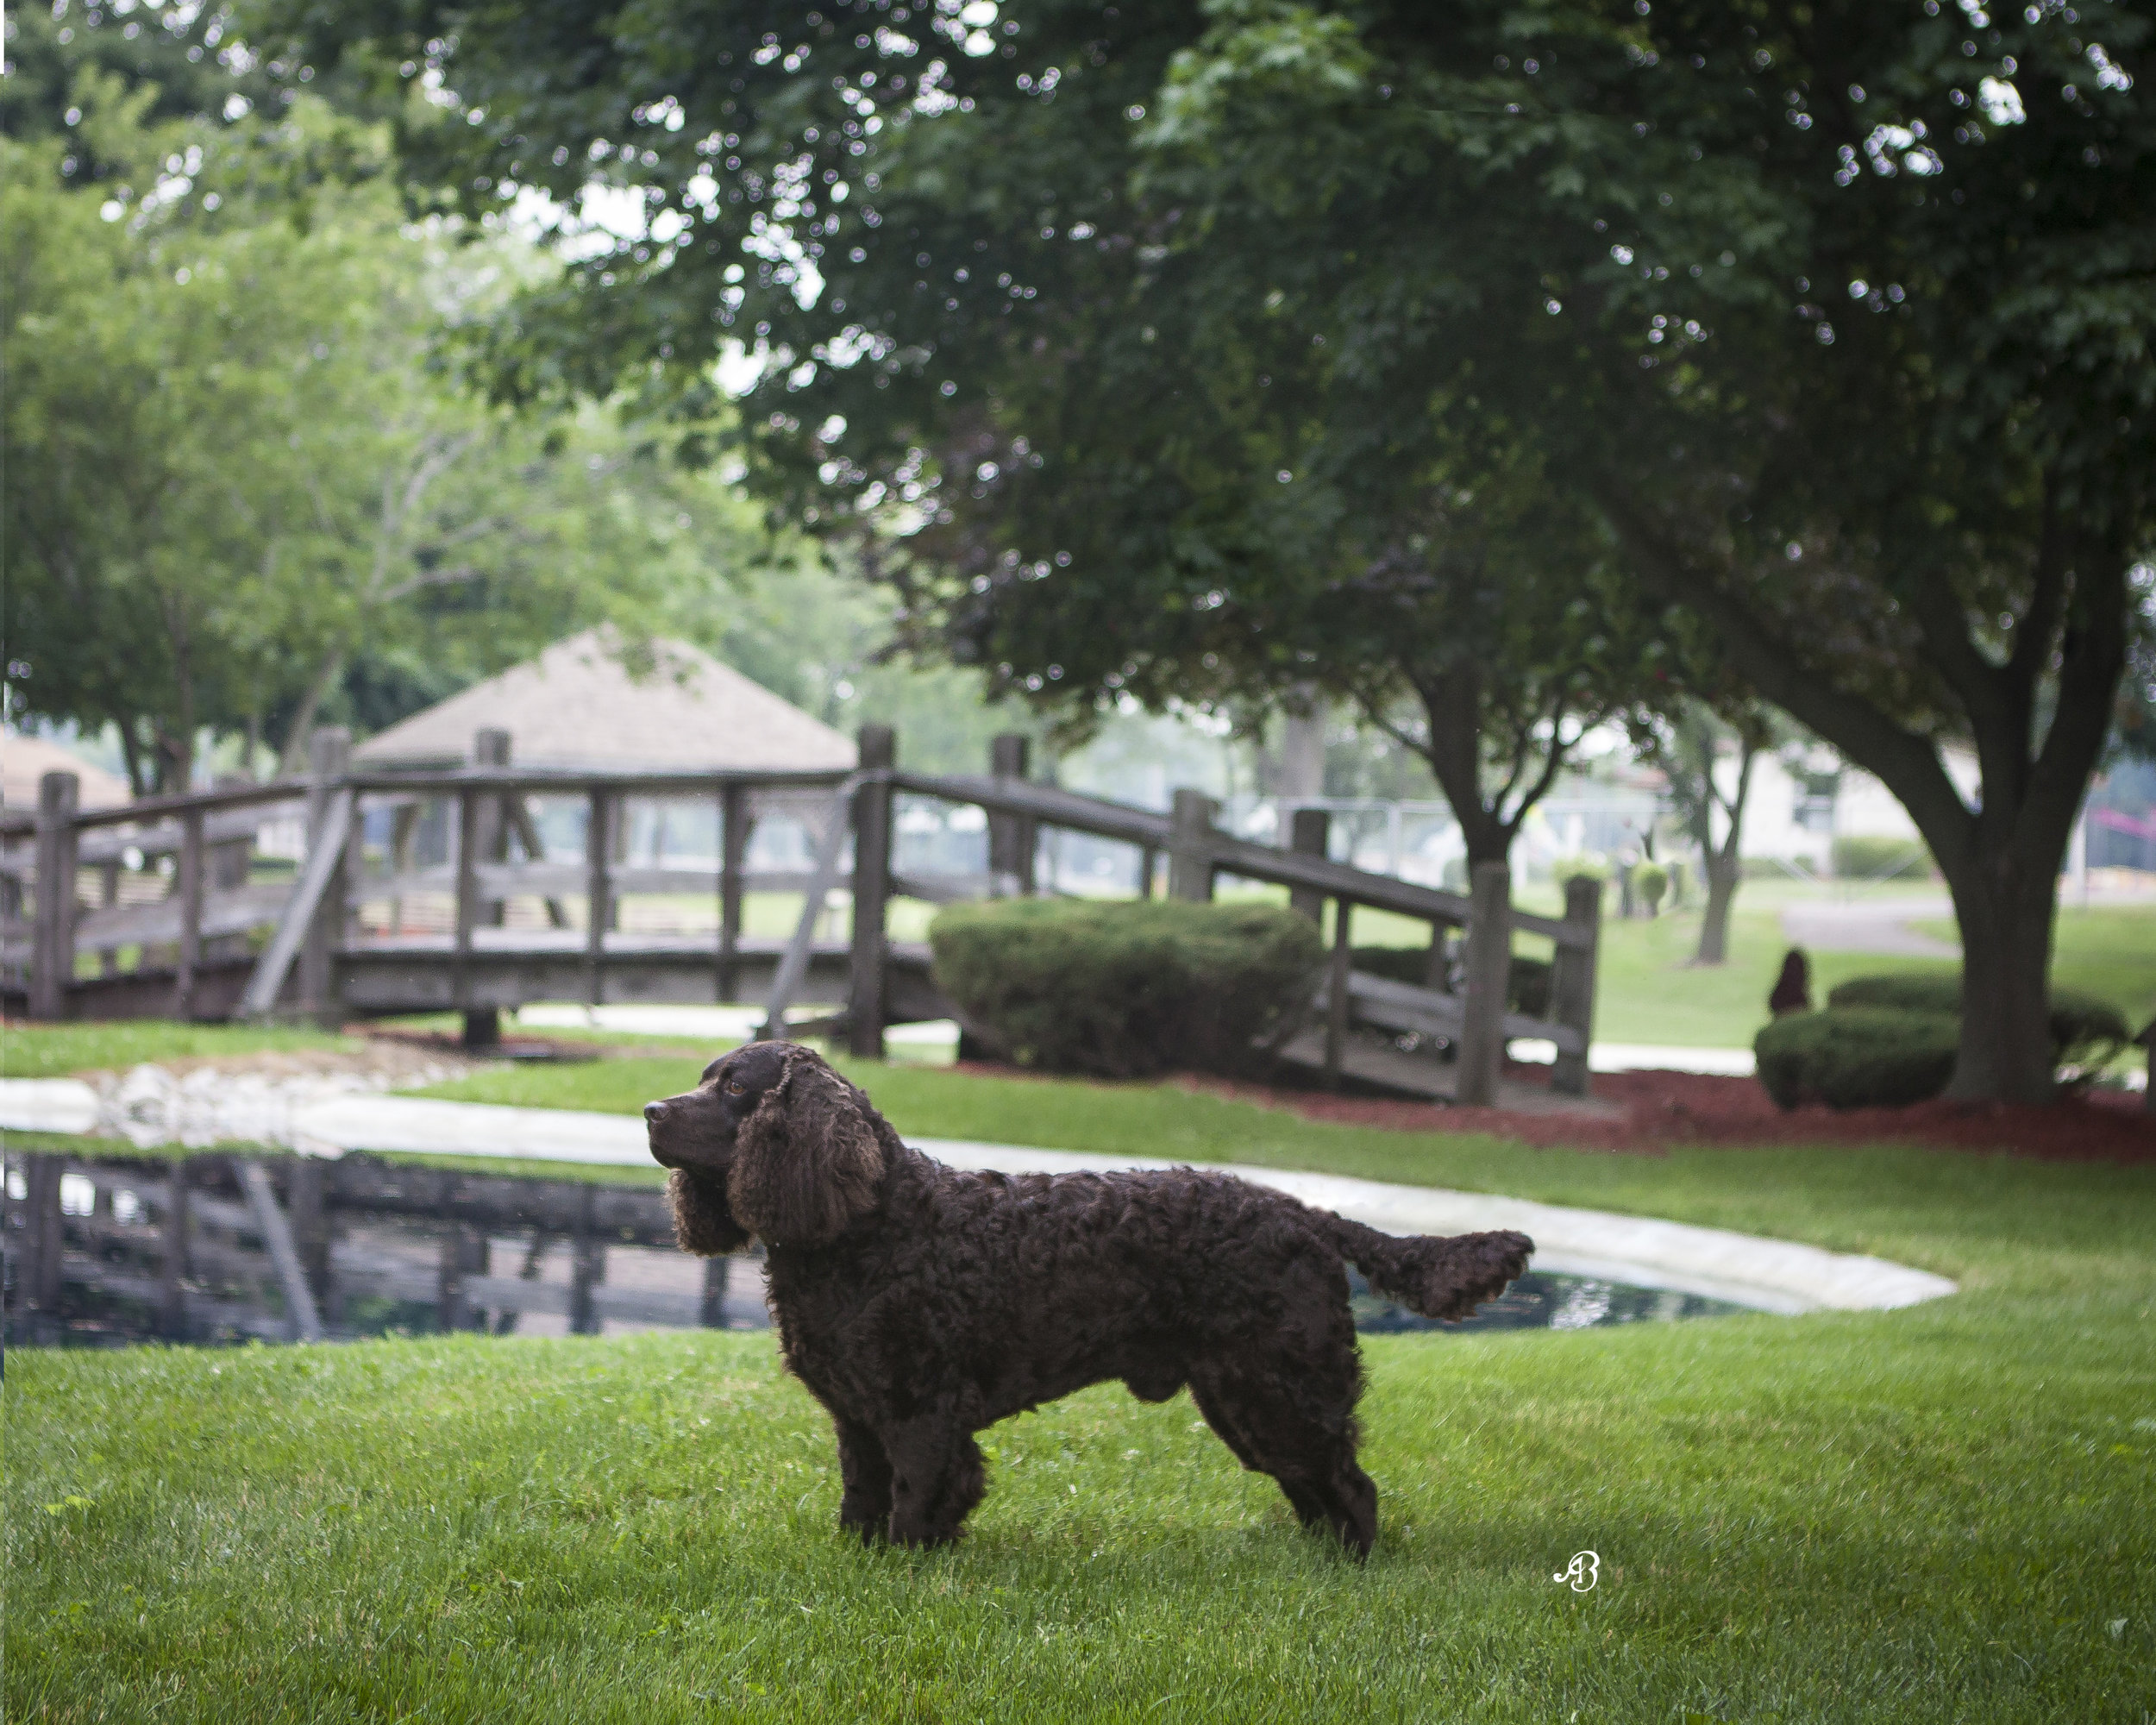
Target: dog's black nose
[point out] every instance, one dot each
(654, 1112)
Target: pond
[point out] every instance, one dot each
(216, 1249)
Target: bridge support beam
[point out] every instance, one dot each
(1190, 849)
(53, 940)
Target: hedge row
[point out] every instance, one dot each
(1888, 1041)
(1121, 989)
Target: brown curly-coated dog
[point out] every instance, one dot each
(921, 1304)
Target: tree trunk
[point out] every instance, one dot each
(2005, 911)
(1721, 892)
(292, 757)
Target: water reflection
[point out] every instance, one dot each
(1545, 1300)
(110, 1251)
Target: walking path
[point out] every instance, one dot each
(1880, 925)
(1769, 1275)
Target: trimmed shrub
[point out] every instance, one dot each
(1861, 857)
(2087, 1031)
(1527, 991)
(1651, 880)
(1857, 1056)
(1120, 989)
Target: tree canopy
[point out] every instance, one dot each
(1826, 321)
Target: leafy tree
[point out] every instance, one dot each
(1834, 313)
(235, 457)
(1690, 744)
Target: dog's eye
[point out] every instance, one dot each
(735, 1087)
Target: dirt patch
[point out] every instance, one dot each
(1688, 1108)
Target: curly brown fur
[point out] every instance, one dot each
(921, 1304)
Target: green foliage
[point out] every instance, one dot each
(1651, 880)
(1125, 989)
(1857, 1056)
(1530, 362)
(1860, 857)
(2087, 1031)
(244, 491)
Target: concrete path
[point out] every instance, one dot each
(1879, 925)
(1773, 1275)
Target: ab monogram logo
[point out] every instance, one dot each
(1581, 1572)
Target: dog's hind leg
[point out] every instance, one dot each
(1295, 1420)
(937, 1477)
(865, 1508)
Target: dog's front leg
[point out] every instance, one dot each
(937, 1477)
(865, 1509)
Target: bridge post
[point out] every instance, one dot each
(328, 759)
(599, 890)
(1013, 838)
(488, 832)
(1310, 833)
(193, 865)
(1488, 974)
(733, 841)
(872, 895)
(53, 941)
(1189, 846)
(1572, 983)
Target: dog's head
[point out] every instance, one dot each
(772, 1142)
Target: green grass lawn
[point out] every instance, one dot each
(1930, 1515)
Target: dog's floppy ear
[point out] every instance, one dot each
(807, 1162)
(703, 1223)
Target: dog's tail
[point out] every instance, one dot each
(1433, 1275)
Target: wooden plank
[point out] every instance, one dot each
(1014, 839)
(871, 811)
(53, 955)
(324, 862)
(943, 889)
(1572, 987)
(300, 1316)
(166, 921)
(1190, 847)
(329, 753)
(599, 896)
(468, 894)
(793, 966)
(194, 863)
(1052, 807)
(1310, 833)
(733, 824)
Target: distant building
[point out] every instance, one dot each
(25, 760)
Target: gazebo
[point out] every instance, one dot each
(588, 704)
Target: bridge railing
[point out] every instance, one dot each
(210, 939)
(167, 905)
(1475, 1018)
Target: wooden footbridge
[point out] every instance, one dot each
(457, 891)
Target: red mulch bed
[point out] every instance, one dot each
(1666, 1109)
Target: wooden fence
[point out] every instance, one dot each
(203, 935)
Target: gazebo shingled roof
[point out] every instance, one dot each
(26, 760)
(578, 706)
